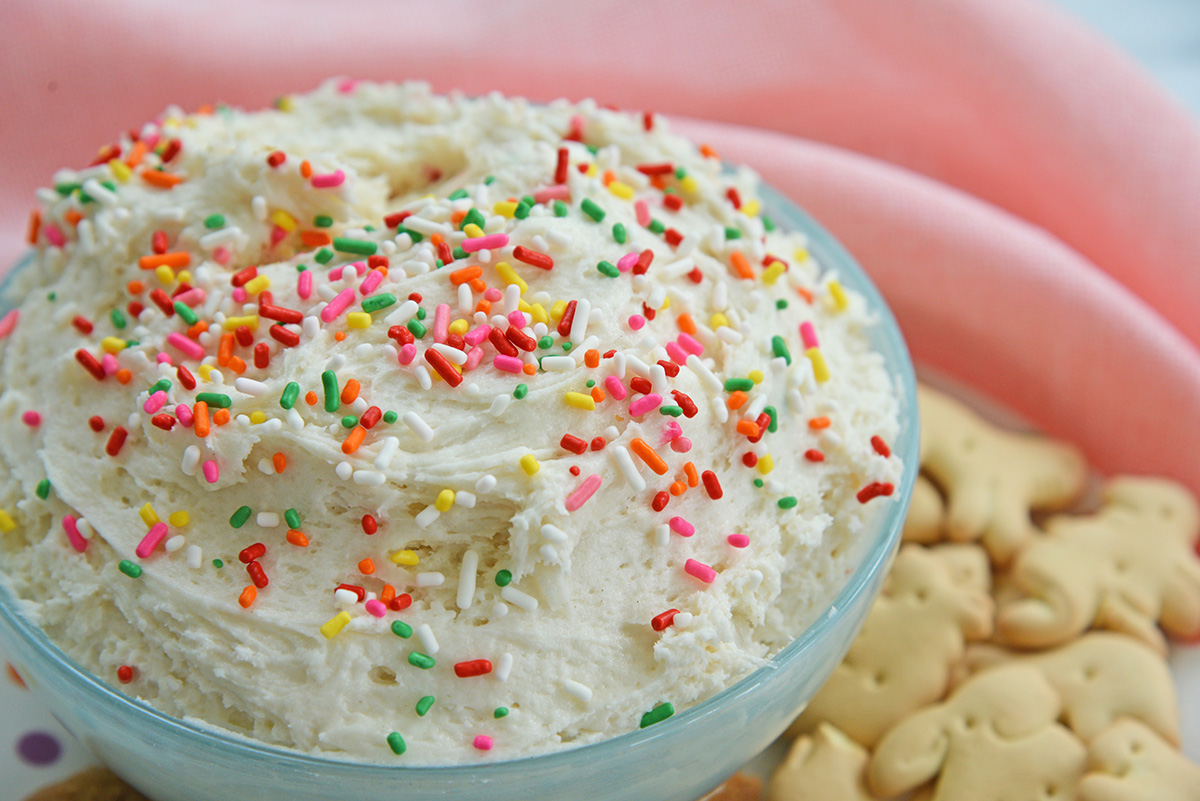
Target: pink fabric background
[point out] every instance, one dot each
(1024, 196)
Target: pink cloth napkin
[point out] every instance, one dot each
(1022, 194)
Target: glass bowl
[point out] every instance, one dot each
(679, 759)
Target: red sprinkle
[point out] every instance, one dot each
(712, 484)
(641, 384)
(533, 257)
(656, 169)
(673, 237)
(749, 459)
(158, 242)
(402, 335)
(520, 339)
(257, 575)
(560, 167)
(115, 441)
(734, 197)
(369, 525)
(83, 324)
(880, 446)
(598, 443)
(443, 367)
(568, 319)
(573, 444)
(500, 342)
(400, 602)
(241, 277)
(252, 552)
(280, 314)
(660, 501)
(289, 339)
(673, 202)
(96, 422)
(124, 674)
(370, 417)
(475, 667)
(669, 367)
(162, 301)
(262, 355)
(164, 421)
(814, 455)
(874, 490)
(171, 151)
(663, 620)
(244, 336)
(276, 158)
(393, 220)
(695, 275)
(354, 588)
(377, 261)
(444, 253)
(645, 258)
(574, 470)
(687, 404)
(185, 377)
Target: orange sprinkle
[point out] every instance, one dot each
(196, 330)
(311, 399)
(314, 239)
(686, 324)
(648, 455)
(478, 285)
(678, 488)
(592, 358)
(598, 394)
(529, 369)
(175, 260)
(387, 594)
(740, 265)
(457, 217)
(35, 226)
(280, 462)
(124, 376)
(305, 169)
(135, 287)
(465, 274)
(136, 154)
(355, 439)
(72, 216)
(200, 424)
(225, 349)
(817, 423)
(297, 538)
(804, 293)
(220, 417)
(693, 476)
(340, 336)
(350, 391)
(747, 427)
(484, 306)
(237, 365)
(658, 181)
(16, 677)
(708, 152)
(436, 239)
(163, 180)
(609, 177)
(247, 597)
(366, 567)
(204, 110)
(737, 399)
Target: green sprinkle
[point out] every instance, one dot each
(163, 385)
(673, 411)
(129, 569)
(780, 348)
(592, 149)
(560, 209)
(656, 226)
(657, 715)
(290, 394)
(52, 296)
(417, 659)
(240, 517)
(377, 302)
(109, 185)
(421, 313)
(590, 383)
(214, 221)
(322, 221)
(132, 343)
(417, 328)
(424, 705)
(439, 264)
(521, 391)
(758, 482)
(185, 313)
(546, 342)
(66, 189)
(522, 210)
(458, 253)
(43, 489)
(591, 209)
(457, 194)
(292, 518)
(619, 233)
(500, 712)
(489, 180)
(680, 173)
(401, 629)
(300, 268)
(359, 247)
(732, 233)
(474, 217)
(768, 223)
(567, 346)
(735, 384)
(788, 502)
(215, 400)
(608, 268)
(218, 564)
(396, 743)
(529, 200)
(324, 256)
(118, 319)
(773, 426)
(329, 383)
(415, 236)
(349, 421)
(390, 417)
(503, 578)
(781, 304)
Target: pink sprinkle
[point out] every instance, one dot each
(516, 319)
(347, 86)
(371, 282)
(473, 359)
(509, 364)
(681, 444)
(31, 419)
(184, 413)
(238, 294)
(738, 540)
(441, 322)
(163, 358)
(477, 334)
(192, 298)
(338, 305)
(221, 255)
(277, 234)
(376, 608)
(556, 192)
(407, 354)
(700, 571)
(156, 534)
(328, 180)
(489, 242)
(677, 353)
(304, 285)
(586, 490)
(615, 387)
(483, 742)
(336, 273)
(627, 261)
(73, 536)
(690, 344)
(671, 431)
(108, 363)
(681, 527)
(54, 236)
(636, 322)
(211, 472)
(646, 403)
(642, 211)
(155, 402)
(360, 267)
(809, 335)
(185, 346)
(9, 322)
(493, 294)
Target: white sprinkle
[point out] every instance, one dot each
(224, 236)
(464, 499)
(539, 242)
(427, 516)
(418, 426)
(512, 298)
(242, 420)
(720, 410)
(658, 379)
(387, 452)
(583, 310)
(628, 468)
(364, 350)
(249, 386)
(99, 192)
(619, 365)
(267, 519)
(675, 269)
(580, 691)
(548, 553)
(633, 363)
(554, 534)
(485, 484)
(359, 405)
(266, 466)
(701, 369)
(466, 579)
(518, 598)
(658, 296)
(345, 597)
(558, 238)
(429, 643)
(427, 227)
(295, 421)
(173, 544)
(683, 620)
(344, 470)
(466, 303)
(406, 311)
(85, 528)
(258, 207)
(195, 557)
(452, 354)
(499, 609)
(191, 460)
(423, 377)
(432, 579)
(558, 364)
(499, 404)
(662, 535)
(336, 362)
(504, 666)
(310, 326)
(727, 334)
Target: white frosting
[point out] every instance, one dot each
(574, 656)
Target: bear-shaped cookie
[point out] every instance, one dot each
(828, 766)
(926, 516)
(1129, 762)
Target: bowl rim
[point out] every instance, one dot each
(832, 256)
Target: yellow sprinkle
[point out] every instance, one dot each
(258, 418)
(459, 326)
(529, 464)
(666, 304)
(165, 275)
(688, 184)
(719, 320)
(445, 500)
(257, 284)
(285, 103)
(756, 376)
(205, 371)
(591, 171)
(472, 230)
(179, 519)
(505, 207)
(149, 516)
(772, 273)
(800, 254)
(7, 524)
(621, 190)
(523, 306)
(233, 323)
(765, 464)
(335, 625)
(509, 276)
(540, 315)
(820, 368)
(184, 276)
(120, 170)
(112, 345)
(751, 208)
(358, 320)
(580, 401)
(558, 309)
(405, 558)
(284, 220)
(840, 299)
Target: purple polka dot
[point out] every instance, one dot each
(39, 748)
